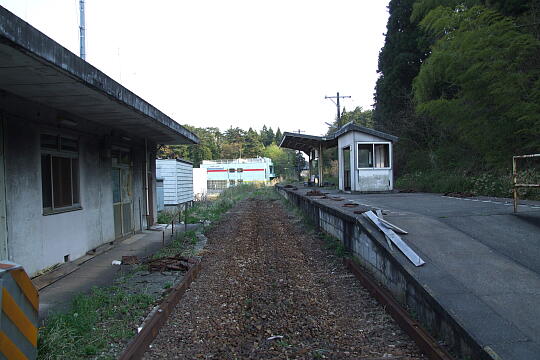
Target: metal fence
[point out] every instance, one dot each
(517, 185)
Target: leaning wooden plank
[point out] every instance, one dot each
(402, 245)
(393, 227)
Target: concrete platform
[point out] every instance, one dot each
(99, 271)
(482, 265)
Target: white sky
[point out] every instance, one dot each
(228, 62)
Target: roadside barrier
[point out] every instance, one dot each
(19, 318)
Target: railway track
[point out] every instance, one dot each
(268, 289)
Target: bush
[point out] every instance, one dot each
(486, 184)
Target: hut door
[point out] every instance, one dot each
(122, 195)
(347, 168)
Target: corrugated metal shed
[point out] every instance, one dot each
(177, 178)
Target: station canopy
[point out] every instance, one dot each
(35, 67)
(307, 143)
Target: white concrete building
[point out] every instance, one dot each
(365, 156)
(77, 152)
(200, 182)
(177, 178)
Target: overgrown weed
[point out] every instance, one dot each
(95, 321)
(485, 184)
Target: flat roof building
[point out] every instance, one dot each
(222, 174)
(77, 152)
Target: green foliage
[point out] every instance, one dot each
(358, 116)
(335, 245)
(497, 184)
(94, 322)
(267, 136)
(212, 210)
(481, 82)
(279, 136)
(283, 160)
(167, 215)
(253, 146)
(460, 87)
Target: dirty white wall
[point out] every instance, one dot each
(38, 241)
(364, 179)
(200, 183)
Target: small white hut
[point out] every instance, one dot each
(364, 156)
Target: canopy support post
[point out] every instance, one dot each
(320, 165)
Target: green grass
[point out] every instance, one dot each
(335, 245)
(95, 321)
(167, 216)
(178, 245)
(212, 210)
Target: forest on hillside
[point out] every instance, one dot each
(460, 85)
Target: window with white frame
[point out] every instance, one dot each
(373, 155)
(59, 173)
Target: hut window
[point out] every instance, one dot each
(59, 174)
(374, 155)
(365, 155)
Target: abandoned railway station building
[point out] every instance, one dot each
(77, 152)
(365, 158)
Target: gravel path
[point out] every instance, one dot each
(264, 276)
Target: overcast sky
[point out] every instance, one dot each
(228, 63)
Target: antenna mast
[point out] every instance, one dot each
(82, 30)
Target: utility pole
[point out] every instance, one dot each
(82, 30)
(337, 97)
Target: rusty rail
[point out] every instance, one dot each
(516, 186)
(423, 339)
(139, 344)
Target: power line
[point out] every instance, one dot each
(337, 97)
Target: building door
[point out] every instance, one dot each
(122, 194)
(347, 168)
(3, 213)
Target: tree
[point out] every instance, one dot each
(399, 62)
(283, 160)
(279, 136)
(234, 135)
(481, 81)
(252, 144)
(267, 136)
(358, 116)
(231, 151)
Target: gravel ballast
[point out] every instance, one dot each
(270, 290)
